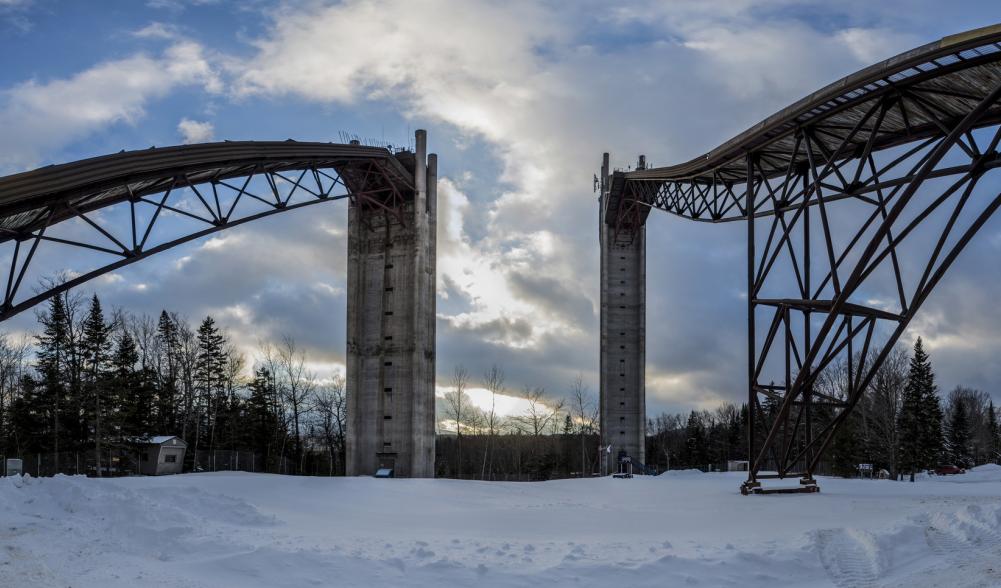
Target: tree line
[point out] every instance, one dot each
(95, 384)
(901, 424)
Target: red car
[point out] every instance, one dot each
(948, 470)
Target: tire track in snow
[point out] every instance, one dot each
(970, 541)
(848, 557)
(963, 535)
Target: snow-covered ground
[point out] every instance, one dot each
(249, 530)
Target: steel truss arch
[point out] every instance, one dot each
(116, 205)
(904, 147)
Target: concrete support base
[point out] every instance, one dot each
(391, 332)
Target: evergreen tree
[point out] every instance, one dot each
(167, 339)
(210, 374)
(48, 401)
(128, 391)
(263, 421)
(959, 434)
(846, 448)
(95, 346)
(993, 433)
(696, 443)
(920, 421)
(932, 417)
(30, 418)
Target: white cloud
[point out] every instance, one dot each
(194, 131)
(157, 30)
(526, 79)
(39, 117)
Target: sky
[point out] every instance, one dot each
(520, 99)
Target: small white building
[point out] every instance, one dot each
(737, 465)
(160, 455)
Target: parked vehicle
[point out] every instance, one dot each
(948, 470)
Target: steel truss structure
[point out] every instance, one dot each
(905, 148)
(117, 206)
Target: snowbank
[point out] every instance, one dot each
(680, 473)
(682, 527)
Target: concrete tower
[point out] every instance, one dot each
(391, 329)
(623, 326)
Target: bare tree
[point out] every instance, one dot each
(295, 385)
(456, 406)
(13, 365)
(493, 382)
(885, 395)
(540, 413)
(584, 415)
(331, 410)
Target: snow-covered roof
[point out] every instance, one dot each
(161, 439)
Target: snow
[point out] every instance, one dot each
(685, 528)
(160, 439)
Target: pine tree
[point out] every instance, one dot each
(931, 414)
(846, 448)
(993, 433)
(696, 441)
(210, 373)
(53, 353)
(131, 395)
(95, 347)
(959, 434)
(920, 421)
(262, 421)
(167, 339)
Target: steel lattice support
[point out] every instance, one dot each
(148, 212)
(126, 207)
(827, 314)
(857, 201)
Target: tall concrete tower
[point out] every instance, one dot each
(622, 233)
(391, 327)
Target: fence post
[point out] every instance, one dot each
(38, 465)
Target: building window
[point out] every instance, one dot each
(388, 338)
(389, 266)
(170, 458)
(387, 417)
(388, 363)
(389, 289)
(388, 390)
(389, 313)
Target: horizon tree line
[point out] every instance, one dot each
(92, 383)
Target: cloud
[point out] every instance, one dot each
(157, 30)
(524, 96)
(194, 131)
(39, 117)
(540, 92)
